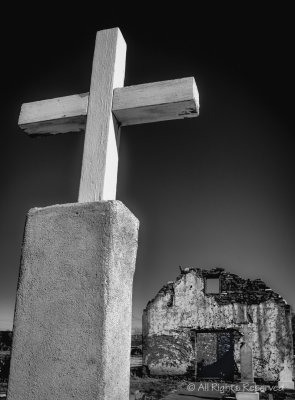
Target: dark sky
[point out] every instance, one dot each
(217, 190)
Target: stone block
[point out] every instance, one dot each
(247, 395)
(72, 325)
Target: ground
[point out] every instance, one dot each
(180, 389)
(155, 388)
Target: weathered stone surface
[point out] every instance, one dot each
(286, 376)
(164, 354)
(246, 363)
(72, 325)
(247, 395)
(182, 308)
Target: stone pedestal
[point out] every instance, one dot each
(247, 395)
(72, 324)
(286, 385)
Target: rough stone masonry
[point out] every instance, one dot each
(74, 303)
(194, 327)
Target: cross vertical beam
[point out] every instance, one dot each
(106, 108)
(100, 155)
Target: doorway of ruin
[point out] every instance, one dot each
(214, 354)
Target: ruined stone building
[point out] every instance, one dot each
(194, 327)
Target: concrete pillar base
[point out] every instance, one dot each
(72, 324)
(247, 396)
(286, 384)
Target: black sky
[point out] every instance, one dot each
(217, 190)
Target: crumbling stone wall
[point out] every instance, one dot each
(182, 308)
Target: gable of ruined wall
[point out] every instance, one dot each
(184, 303)
(186, 307)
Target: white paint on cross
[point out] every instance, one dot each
(106, 108)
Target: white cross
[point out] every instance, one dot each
(106, 108)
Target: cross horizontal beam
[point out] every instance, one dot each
(108, 106)
(150, 102)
